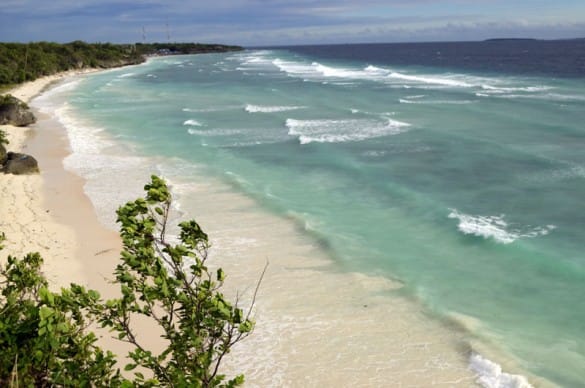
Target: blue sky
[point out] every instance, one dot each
(275, 22)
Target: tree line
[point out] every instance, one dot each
(21, 62)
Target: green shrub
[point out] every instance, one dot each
(3, 138)
(43, 337)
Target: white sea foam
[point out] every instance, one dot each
(496, 227)
(299, 69)
(535, 96)
(254, 60)
(91, 158)
(270, 109)
(436, 102)
(490, 374)
(375, 154)
(212, 109)
(214, 132)
(339, 131)
(318, 72)
(193, 123)
(506, 91)
(503, 89)
(125, 75)
(433, 80)
(376, 70)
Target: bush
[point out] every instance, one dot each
(43, 338)
(42, 333)
(3, 139)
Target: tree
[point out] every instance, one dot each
(43, 338)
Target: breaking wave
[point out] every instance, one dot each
(436, 102)
(496, 228)
(193, 123)
(270, 109)
(340, 131)
(490, 374)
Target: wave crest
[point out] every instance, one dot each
(496, 227)
(340, 131)
(270, 109)
(193, 123)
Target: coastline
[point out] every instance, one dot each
(419, 349)
(27, 210)
(315, 324)
(49, 212)
(55, 217)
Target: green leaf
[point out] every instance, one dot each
(220, 275)
(46, 296)
(129, 367)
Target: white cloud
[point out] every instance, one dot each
(254, 22)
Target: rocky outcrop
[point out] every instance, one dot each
(20, 164)
(15, 112)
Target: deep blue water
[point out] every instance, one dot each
(552, 58)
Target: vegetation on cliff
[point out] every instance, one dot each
(44, 340)
(20, 62)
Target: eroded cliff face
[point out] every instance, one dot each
(15, 112)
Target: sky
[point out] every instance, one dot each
(288, 22)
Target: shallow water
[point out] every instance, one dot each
(465, 186)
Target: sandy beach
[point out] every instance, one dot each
(49, 213)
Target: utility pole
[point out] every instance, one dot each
(143, 35)
(168, 32)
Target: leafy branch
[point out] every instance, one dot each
(43, 334)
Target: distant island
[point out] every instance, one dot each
(21, 62)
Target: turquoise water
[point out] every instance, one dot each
(466, 186)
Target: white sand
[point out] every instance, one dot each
(24, 216)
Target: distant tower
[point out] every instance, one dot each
(143, 35)
(168, 32)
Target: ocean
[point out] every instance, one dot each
(453, 171)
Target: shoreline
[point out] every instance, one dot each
(28, 220)
(55, 216)
(57, 200)
(89, 249)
